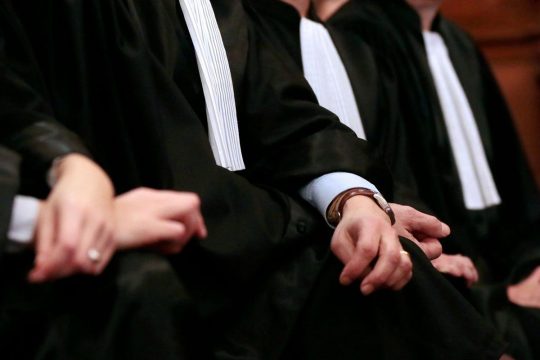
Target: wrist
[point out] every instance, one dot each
(79, 165)
(346, 199)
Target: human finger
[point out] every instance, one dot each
(431, 247)
(67, 236)
(419, 222)
(388, 263)
(470, 272)
(107, 252)
(342, 245)
(177, 204)
(44, 241)
(95, 247)
(365, 251)
(171, 238)
(397, 281)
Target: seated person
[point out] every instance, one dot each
(163, 221)
(79, 227)
(154, 105)
(463, 147)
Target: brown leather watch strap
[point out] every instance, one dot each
(335, 210)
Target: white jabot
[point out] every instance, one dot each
(326, 74)
(479, 189)
(216, 81)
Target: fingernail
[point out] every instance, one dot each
(35, 277)
(445, 228)
(345, 280)
(367, 289)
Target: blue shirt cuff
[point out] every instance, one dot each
(321, 191)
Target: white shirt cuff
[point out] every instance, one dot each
(23, 223)
(321, 191)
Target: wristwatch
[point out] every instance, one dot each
(335, 210)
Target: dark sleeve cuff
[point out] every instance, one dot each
(9, 185)
(44, 141)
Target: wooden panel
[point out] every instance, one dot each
(508, 31)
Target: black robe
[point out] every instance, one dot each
(280, 22)
(505, 238)
(374, 86)
(114, 316)
(504, 235)
(122, 75)
(9, 187)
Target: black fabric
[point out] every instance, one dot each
(27, 124)
(9, 186)
(122, 74)
(311, 339)
(136, 309)
(503, 234)
(383, 329)
(503, 237)
(116, 75)
(374, 86)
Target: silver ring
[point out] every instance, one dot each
(94, 255)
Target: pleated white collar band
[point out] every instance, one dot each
(327, 76)
(217, 83)
(479, 189)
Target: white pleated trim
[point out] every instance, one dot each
(479, 189)
(326, 74)
(216, 81)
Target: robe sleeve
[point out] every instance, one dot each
(27, 124)
(9, 185)
(288, 139)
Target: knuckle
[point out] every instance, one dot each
(108, 232)
(367, 250)
(144, 190)
(407, 266)
(409, 211)
(394, 258)
(376, 280)
(391, 232)
(69, 202)
(335, 245)
(437, 247)
(194, 200)
(80, 265)
(68, 248)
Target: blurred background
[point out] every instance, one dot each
(508, 31)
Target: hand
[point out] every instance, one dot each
(365, 236)
(458, 266)
(425, 230)
(163, 220)
(527, 292)
(76, 218)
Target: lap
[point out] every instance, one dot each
(428, 319)
(136, 309)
